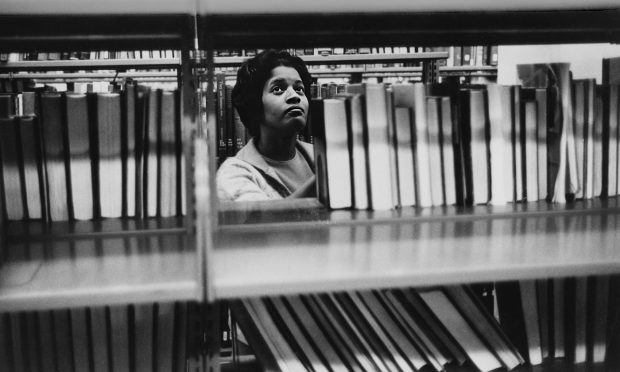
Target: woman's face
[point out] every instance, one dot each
(285, 105)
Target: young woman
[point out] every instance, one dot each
(271, 98)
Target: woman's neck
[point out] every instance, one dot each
(276, 148)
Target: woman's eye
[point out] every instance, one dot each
(300, 89)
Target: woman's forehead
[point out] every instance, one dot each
(284, 72)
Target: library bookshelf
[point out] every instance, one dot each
(114, 261)
(291, 247)
(299, 247)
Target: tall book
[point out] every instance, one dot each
(332, 153)
(109, 153)
(358, 141)
(597, 143)
(518, 164)
(54, 152)
(143, 342)
(475, 145)
(165, 336)
(484, 324)
(119, 337)
(34, 183)
(221, 133)
(500, 108)
(611, 70)
(599, 300)
(151, 168)
(447, 149)
(389, 103)
(562, 159)
(168, 154)
(10, 155)
(404, 147)
(611, 123)
(129, 137)
(518, 316)
(589, 104)
(433, 120)
(379, 175)
(580, 130)
(79, 156)
(477, 352)
(530, 121)
(412, 96)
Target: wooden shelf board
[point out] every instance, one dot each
(267, 259)
(97, 266)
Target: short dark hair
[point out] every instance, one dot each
(251, 78)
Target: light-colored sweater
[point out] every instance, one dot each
(248, 177)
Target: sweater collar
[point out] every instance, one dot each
(249, 153)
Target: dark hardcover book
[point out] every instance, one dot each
(231, 130)
(62, 339)
(143, 341)
(611, 70)
(7, 105)
(100, 353)
(484, 324)
(46, 338)
(473, 125)
(529, 109)
(119, 337)
(598, 313)
(511, 315)
(254, 332)
(80, 338)
(221, 132)
(129, 153)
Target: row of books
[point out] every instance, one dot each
(145, 337)
(478, 55)
(573, 319)
(551, 138)
(89, 55)
(433, 329)
(86, 156)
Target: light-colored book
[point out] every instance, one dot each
(379, 175)
(79, 156)
(500, 145)
(413, 96)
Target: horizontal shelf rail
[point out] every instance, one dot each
(104, 31)
(98, 64)
(408, 28)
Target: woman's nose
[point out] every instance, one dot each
(292, 96)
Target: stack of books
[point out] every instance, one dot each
(83, 156)
(412, 144)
